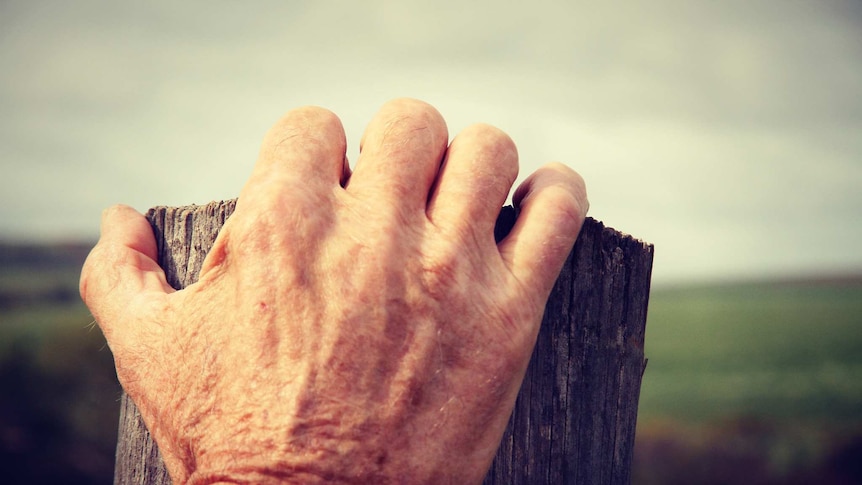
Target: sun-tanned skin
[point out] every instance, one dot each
(346, 328)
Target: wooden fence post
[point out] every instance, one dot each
(574, 420)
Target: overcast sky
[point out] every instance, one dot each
(729, 134)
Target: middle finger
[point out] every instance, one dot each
(400, 154)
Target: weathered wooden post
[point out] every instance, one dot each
(574, 420)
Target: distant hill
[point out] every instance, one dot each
(34, 274)
(42, 255)
(833, 279)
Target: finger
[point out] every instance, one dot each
(400, 153)
(479, 169)
(121, 267)
(553, 204)
(346, 172)
(307, 146)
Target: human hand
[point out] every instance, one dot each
(354, 328)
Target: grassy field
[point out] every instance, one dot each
(768, 350)
(59, 403)
(750, 383)
(753, 383)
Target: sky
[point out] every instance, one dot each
(728, 134)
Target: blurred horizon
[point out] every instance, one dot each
(849, 276)
(726, 134)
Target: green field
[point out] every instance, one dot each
(59, 404)
(789, 351)
(753, 383)
(746, 383)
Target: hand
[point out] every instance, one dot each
(348, 328)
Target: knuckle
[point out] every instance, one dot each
(409, 105)
(491, 137)
(497, 150)
(310, 127)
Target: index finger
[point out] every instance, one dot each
(306, 146)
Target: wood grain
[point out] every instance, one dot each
(574, 420)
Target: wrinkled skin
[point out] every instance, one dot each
(346, 328)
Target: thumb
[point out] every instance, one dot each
(120, 268)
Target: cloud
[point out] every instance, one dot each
(724, 132)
